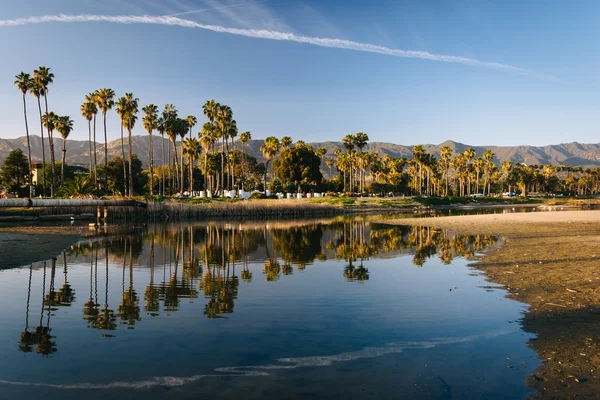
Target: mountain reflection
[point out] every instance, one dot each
(157, 268)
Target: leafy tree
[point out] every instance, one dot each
(298, 165)
(15, 170)
(115, 175)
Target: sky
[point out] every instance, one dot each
(407, 72)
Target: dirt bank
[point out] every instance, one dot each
(551, 261)
(24, 245)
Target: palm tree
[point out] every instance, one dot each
(270, 148)
(121, 108)
(88, 111)
(360, 141)
(286, 142)
(419, 154)
(207, 139)
(37, 90)
(24, 84)
(478, 165)
(130, 119)
(488, 156)
(349, 143)
(245, 137)
(169, 116)
(105, 101)
(64, 126)
(192, 148)
(43, 78)
(150, 121)
(446, 155)
(91, 98)
(330, 163)
(320, 152)
(224, 123)
(49, 121)
(160, 127)
(192, 121)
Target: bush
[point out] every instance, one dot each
(257, 196)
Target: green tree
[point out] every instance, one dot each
(298, 165)
(15, 170)
(88, 111)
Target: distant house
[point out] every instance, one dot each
(36, 168)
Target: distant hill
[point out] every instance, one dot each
(573, 154)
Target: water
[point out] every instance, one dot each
(337, 308)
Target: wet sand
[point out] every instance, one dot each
(25, 245)
(550, 260)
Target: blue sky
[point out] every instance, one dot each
(315, 93)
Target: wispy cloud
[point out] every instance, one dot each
(263, 370)
(217, 8)
(271, 35)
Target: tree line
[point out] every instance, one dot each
(215, 161)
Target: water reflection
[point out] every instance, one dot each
(200, 263)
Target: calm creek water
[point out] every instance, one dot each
(341, 308)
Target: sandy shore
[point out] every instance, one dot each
(24, 245)
(550, 260)
(513, 224)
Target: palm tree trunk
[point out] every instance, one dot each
(43, 150)
(90, 145)
(176, 161)
(163, 165)
(28, 148)
(223, 164)
(124, 166)
(151, 155)
(95, 155)
(131, 191)
(205, 169)
(191, 176)
(181, 169)
(62, 168)
(105, 155)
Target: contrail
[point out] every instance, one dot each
(216, 8)
(270, 35)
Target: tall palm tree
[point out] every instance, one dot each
(105, 101)
(245, 137)
(37, 90)
(207, 139)
(192, 148)
(88, 111)
(44, 78)
(224, 123)
(419, 155)
(446, 155)
(64, 126)
(192, 121)
(121, 106)
(169, 116)
(130, 119)
(349, 143)
(24, 83)
(488, 156)
(360, 141)
(91, 98)
(49, 121)
(150, 120)
(160, 127)
(270, 148)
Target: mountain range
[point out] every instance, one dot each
(572, 154)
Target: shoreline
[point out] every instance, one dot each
(549, 260)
